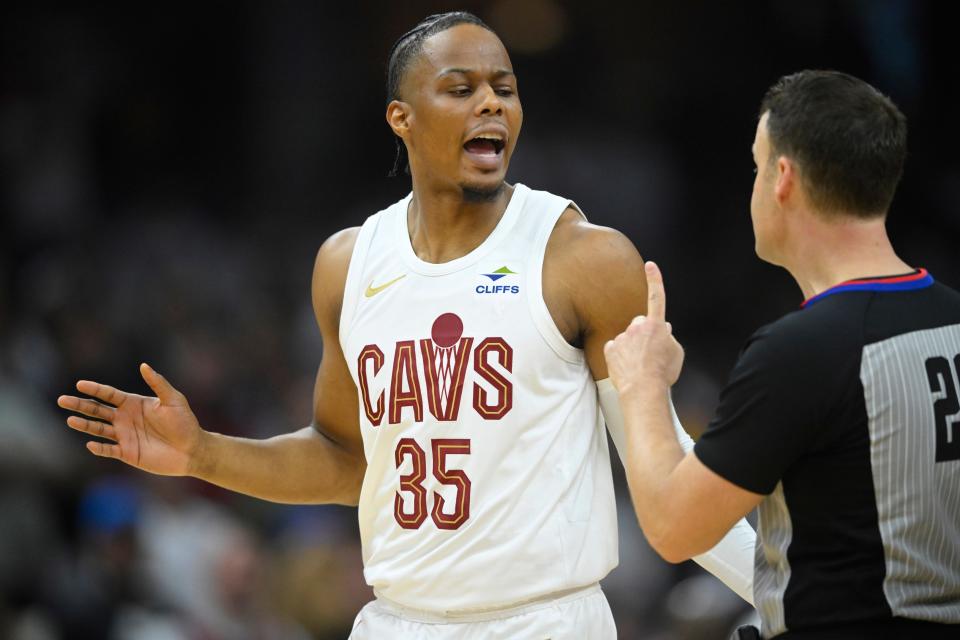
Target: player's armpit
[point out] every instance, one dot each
(593, 284)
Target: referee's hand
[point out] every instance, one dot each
(646, 353)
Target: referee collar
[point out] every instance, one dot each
(919, 279)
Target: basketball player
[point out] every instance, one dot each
(847, 410)
(463, 329)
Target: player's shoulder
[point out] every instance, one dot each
(595, 272)
(331, 266)
(574, 239)
(335, 252)
(338, 247)
(577, 241)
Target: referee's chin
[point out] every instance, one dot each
(765, 254)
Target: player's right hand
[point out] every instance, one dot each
(157, 434)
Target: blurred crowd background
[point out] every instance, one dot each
(167, 173)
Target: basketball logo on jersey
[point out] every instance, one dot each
(443, 358)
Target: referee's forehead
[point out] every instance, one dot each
(761, 140)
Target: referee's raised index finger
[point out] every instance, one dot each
(656, 296)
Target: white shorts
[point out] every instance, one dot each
(580, 615)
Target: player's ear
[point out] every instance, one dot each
(398, 117)
(786, 179)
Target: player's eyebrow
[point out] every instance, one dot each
(499, 73)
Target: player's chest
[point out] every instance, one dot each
(445, 348)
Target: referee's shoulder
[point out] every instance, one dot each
(816, 334)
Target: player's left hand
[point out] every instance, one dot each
(646, 353)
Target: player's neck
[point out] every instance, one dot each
(828, 252)
(444, 225)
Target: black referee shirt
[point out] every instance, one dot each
(846, 415)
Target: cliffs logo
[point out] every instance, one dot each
(499, 287)
(438, 369)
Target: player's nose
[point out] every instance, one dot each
(489, 103)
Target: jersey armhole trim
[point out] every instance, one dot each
(352, 286)
(539, 311)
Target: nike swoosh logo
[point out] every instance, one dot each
(372, 290)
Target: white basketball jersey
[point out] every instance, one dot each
(488, 477)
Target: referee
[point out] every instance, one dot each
(841, 420)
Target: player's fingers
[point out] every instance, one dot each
(87, 407)
(102, 392)
(104, 450)
(656, 296)
(639, 320)
(92, 427)
(164, 390)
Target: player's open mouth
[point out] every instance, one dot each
(486, 144)
(486, 149)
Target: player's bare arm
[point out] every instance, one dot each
(593, 284)
(321, 463)
(683, 507)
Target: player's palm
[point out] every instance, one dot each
(157, 434)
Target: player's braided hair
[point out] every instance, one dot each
(405, 50)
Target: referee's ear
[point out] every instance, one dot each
(787, 181)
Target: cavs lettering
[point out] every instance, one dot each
(444, 359)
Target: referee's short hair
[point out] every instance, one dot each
(848, 140)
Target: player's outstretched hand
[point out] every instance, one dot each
(160, 435)
(646, 351)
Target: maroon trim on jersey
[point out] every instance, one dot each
(371, 351)
(461, 356)
(412, 482)
(455, 477)
(486, 371)
(405, 370)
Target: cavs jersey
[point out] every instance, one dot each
(488, 477)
